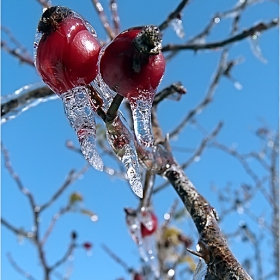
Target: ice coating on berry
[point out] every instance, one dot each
(146, 244)
(121, 140)
(149, 222)
(82, 119)
(133, 66)
(66, 50)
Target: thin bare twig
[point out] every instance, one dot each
(196, 154)
(17, 231)
(115, 16)
(45, 3)
(16, 178)
(219, 44)
(116, 258)
(22, 272)
(166, 92)
(72, 176)
(173, 15)
(65, 257)
(103, 18)
(20, 52)
(208, 97)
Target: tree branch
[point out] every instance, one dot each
(236, 38)
(173, 15)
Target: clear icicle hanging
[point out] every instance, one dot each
(141, 114)
(177, 25)
(134, 228)
(255, 47)
(81, 117)
(121, 140)
(148, 249)
(200, 271)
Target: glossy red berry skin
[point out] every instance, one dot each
(67, 54)
(146, 232)
(128, 71)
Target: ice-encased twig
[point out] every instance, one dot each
(103, 91)
(81, 117)
(121, 140)
(23, 99)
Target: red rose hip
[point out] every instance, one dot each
(152, 227)
(132, 65)
(67, 53)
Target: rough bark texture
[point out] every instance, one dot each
(213, 248)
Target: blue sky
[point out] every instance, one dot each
(36, 138)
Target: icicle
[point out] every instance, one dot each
(255, 47)
(141, 114)
(200, 270)
(23, 99)
(121, 140)
(134, 227)
(177, 25)
(149, 250)
(81, 117)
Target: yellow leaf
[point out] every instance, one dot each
(171, 235)
(190, 261)
(75, 197)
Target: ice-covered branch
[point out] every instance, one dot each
(173, 15)
(115, 16)
(17, 231)
(17, 268)
(45, 3)
(19, 51)
(103, 18)
(260, 27)
(197, 153)
(23, 99)
(208, 97)
(72, 176)
(168, 92)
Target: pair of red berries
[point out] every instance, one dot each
(67, 56)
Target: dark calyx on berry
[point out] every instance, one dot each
(51, 18)
(148, 40)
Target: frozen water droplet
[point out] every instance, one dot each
(238, 85)
(141, 113)
(217, 19)
(121, 140)
(81, 117)
(177, 25)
